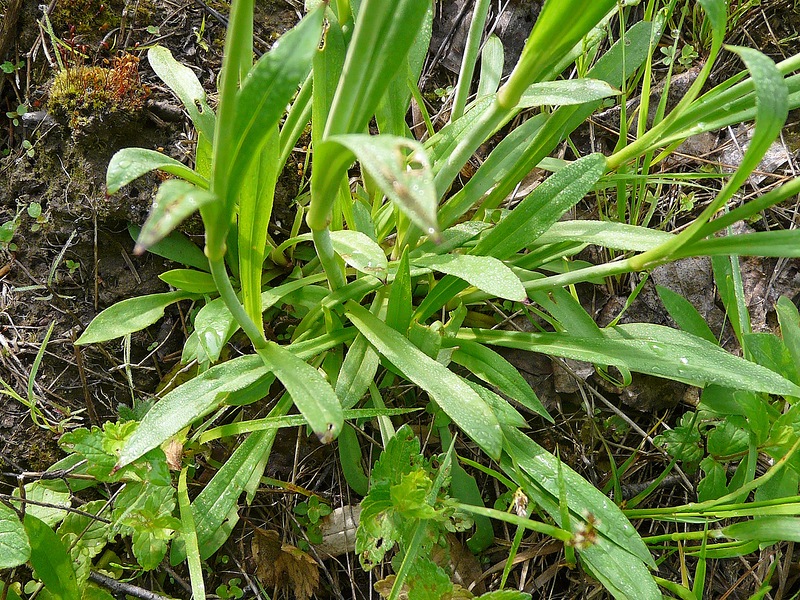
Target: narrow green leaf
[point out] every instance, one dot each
(129, 316)
(778, 243)
(360, 252)
(765, 529)
(214, 326)
(494, 169)
(358, 370)
(399, 308)
(566, 92)
(685, 314)
(176, 247)
(486, 273)
(14, 547)
(491, 66)
(311, 394)
(215, 509)
(265, 93)
(130, 163)
(582, 497)
(255, 209)
(182, 80)
(190, 401)
(456, 398)
(543, 207)
(497, 371)
(559, 27)
(350, 458)
(789, 320)
(505, 413)
(401, 169)
(383, 36)
(189, 534)
(50, 560)
(652, 349)
(189, 280)
(609, 234)
(174, 201)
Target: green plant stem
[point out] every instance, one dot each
(537, 526)
(228, 295)
(413, 549)
(327, 258)
(471, 51)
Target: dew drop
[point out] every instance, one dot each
(124, 164)
(684, 360)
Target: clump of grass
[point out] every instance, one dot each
(83, 94)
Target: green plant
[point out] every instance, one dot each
(382, 284)
(8, 67)
(14, 115)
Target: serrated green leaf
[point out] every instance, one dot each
(50, 561)
(311, 394)
(456, 398)
(182, 80)
(15, 549)
(174, 201)
(360, 252)
(128, 316)
(48, 511)
(131, 163)
(85, 537)
(189, 280)
(486, 273)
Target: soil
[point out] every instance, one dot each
(75, 258)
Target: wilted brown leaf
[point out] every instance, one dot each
(283, 565)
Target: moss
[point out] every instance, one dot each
(82, 95)
(87, 18)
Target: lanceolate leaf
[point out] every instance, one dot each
(311, 394)
(566, 92)
(609, 234)
(174, 201)
(543, 207)
(182, 80)
(176, 247)
(360, 252)
(14, 547)
(265, 93)
(651, 349)
(543, 469)
(130, 163)
(496, 370)
(189, 402)
(50, 560)
(456, 398)
(128, 316)
(484, 272)
(189, 280)
(401, 169)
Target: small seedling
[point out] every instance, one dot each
(14, 115)
(8, 67)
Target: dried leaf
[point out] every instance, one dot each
(282, 565)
